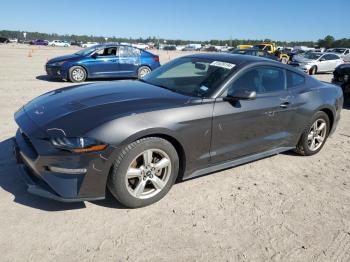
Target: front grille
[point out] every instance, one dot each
(29, 144)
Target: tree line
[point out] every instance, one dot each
(328, 41)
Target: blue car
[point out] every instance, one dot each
(103, 61)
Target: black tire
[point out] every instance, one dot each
(73, 75)
(313, 70)
(117, 178)
(303, 148)
(141, 70)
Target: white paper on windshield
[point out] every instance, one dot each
(222, 64)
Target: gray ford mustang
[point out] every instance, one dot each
(195, 115)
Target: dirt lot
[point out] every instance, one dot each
(282, 208)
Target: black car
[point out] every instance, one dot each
(193, 116)
(254, 52)
(4, 40)
(341, 76)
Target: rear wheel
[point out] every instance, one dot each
(77, 74)
(143, 70)
(315, 135)
(313, 70)
(144, 172)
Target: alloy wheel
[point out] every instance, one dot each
(317, 134)
(78, 74)
(144, 71)
(148, 173)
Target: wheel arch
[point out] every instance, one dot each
(330, 115)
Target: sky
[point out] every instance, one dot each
(284, 20)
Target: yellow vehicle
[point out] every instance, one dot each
(244, 46)
(272, 49)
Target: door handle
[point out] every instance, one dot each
(285, 104)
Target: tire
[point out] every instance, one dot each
(125, 187)
(77, 74)
(284, 60)
(142, 71)
(309, 135)
(313, 70)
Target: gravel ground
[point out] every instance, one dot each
(282, 208)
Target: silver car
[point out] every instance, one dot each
(344, 53)
(313, 62)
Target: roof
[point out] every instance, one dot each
(230, 58)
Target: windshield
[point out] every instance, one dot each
(261, 47)
(86, 51)
(191, 76)
(338, 50)
(312, 56)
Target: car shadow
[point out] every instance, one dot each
(49, 79)
(11, 181)
(346, 104)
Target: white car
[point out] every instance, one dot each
(313, 62)
(59, 43)
(344, 53)
(141, 46)
(89, 44)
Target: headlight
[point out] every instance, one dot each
(78, 144)
(58, 63)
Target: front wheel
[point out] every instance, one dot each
(314, 135)
(284, 60)
(143, 70)
(144, 172)
(77, 74)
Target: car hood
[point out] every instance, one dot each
(78, 109)
(64, 58)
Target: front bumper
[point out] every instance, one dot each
(37, 157)
(55, 72)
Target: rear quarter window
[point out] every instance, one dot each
(294, 79)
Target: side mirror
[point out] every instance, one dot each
(199, 66)
(241, 94)
(94, 55)
(322, 59)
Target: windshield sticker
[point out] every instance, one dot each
(222, 64)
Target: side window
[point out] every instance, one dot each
(326, 57)
(294, 79)
(127, 51)
(334, 57)
(261, 80)
(346, 52)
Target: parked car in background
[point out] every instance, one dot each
(344, 53)
(77, 43)
(103, 61)
(13, 40)
(39, 42)
(89, 44)
(254, 52)
(4, 40)
(169, 47)
(195, 115)
(314, 63)
(341, 76)
(141, 46)
(59, 43)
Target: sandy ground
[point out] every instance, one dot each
(282, 208)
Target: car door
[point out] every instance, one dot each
(324, 64)
(103, 63)
(129, 60)
(246, 127)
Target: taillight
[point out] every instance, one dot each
(156, 58)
